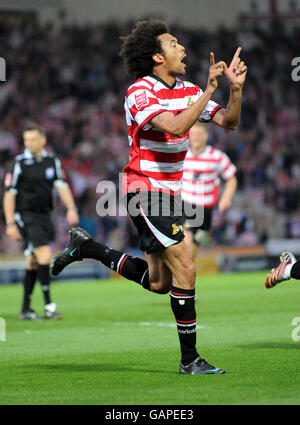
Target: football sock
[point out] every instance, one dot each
(44, 277)
(295, 271)
(183, 307)
(132, 268)
(28, 282)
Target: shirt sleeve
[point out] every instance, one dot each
(210, 109)
(12, 178)
(143, 105)
(226, 168)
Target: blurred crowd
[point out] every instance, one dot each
(71, 80)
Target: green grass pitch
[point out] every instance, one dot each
(117, 344)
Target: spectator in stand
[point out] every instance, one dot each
(46, 62)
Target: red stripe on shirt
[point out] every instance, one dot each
(172, 176)
(155, 156)
(202, 181)
(177, 93)
(136, 88)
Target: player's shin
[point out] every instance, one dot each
(183, 307)
(28, 282)
(132, 268)
(44, 278)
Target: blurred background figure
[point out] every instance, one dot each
(27, 207)
(204, 165)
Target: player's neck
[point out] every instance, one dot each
(38, 154)
(199, 150)
(165, 76)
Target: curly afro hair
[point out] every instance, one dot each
(140, 45)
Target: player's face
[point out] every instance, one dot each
(173, 54)
(34, 141)
(198, 137)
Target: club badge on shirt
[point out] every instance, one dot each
(50, 172)
(190, 101)
(141, 99)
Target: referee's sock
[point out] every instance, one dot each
(132, 268)
(28, 283)
(43, 274)
(183, 307)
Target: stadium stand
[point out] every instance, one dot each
(71, 80)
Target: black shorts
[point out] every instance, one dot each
(205, 214)
(158, 219)
(36, 229)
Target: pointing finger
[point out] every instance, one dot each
(212, 59)
(236, 56)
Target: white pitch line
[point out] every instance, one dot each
(160, 324)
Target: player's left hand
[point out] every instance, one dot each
(237, 70)
(72, 218)
(224, 204)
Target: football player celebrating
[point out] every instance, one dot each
(160, 109)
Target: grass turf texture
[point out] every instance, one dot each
(117, 345)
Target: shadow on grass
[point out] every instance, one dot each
(275, 345)
(96, 367)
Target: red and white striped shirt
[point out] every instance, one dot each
(207, 167)
(156, 158)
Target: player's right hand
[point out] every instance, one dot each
(13, 232)
(215, 71)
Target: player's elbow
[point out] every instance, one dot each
(231, 124)
(177, 131)
(179, 134)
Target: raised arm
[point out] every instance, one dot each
(236, 74)
(179, 125)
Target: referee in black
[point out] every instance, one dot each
(27, 207)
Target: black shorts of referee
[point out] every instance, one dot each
(198, 219)
(158, 219)
(36, 230)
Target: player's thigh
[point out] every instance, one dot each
(43, 254)
(179, 261)
(160, 276)
(39, 228)
(31, 263)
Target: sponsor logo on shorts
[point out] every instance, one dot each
(176, 229)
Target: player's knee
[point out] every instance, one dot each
(187, 275)
(43, 255)
(190, 272)
(160, 288)
(31, 263)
